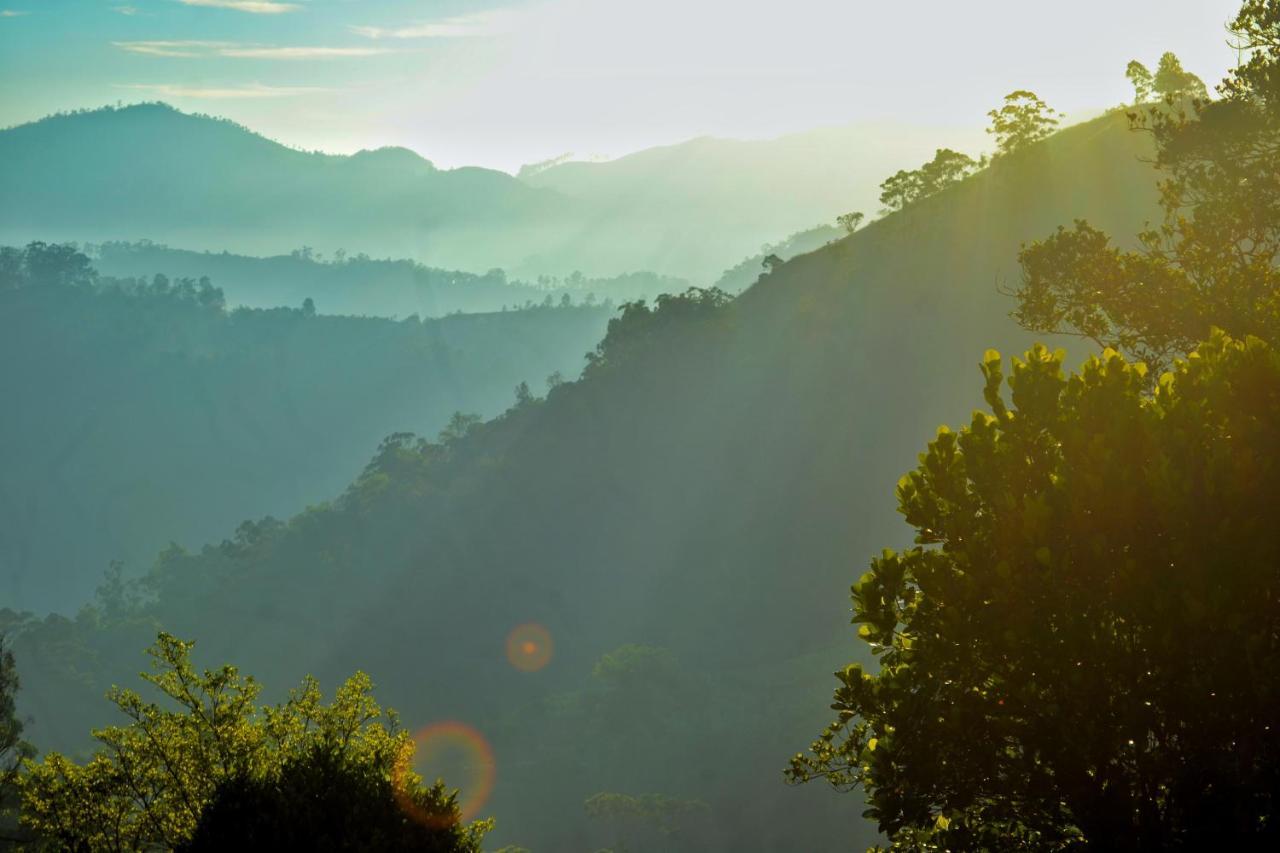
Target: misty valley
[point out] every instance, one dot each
(798, 475)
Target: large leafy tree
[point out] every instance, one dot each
(1214, 260)
(1077, 651)
(1080, 648)
(185, 773)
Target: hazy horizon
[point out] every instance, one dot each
(505, 84)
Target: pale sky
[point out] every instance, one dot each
(501, 84)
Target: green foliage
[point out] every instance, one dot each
(1214, 261)
(1022, 120)
(1078, 649)
(194, 774)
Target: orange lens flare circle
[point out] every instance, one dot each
(456, 753)
(529, 647)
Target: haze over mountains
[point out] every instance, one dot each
(690, 210)
(720, 468)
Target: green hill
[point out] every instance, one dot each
(711, 486)
(138, 414)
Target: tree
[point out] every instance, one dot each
(900, 189)
(171, 778)
(1022, 120)
(946, 168)
(849, 221)
(1143, 83)
(1172, 81)
(326, 800)
(771, 263)
(1215, 258)
(13, 749)
(1044, 682)
(1078, 651)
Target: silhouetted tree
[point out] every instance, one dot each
(849, 221)
(1214, 259)
(1143, 83)
(13, 749)
(1022, 120)
(326, 800)
(1173, 81)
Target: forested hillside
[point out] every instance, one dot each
(361, 285)
(677, 519)
(143, 412)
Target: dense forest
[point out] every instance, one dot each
(609, 613)
(361, 285)
(144, 411)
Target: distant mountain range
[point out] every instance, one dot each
(691, 210)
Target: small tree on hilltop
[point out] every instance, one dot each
(1022, 120)
(1173, 81)
(1143, 84)
(849, 221)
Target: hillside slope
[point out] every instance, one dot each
(134, 419)
(711, 486)
(706, 202)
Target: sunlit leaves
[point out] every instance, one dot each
(1044, 672)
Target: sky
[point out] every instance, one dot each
(500, 84)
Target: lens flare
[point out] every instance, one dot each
(456, 753)
(529, 647)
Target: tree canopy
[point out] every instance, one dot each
(1212, 261)
(1021, 120)
(188, 774)
(906, 187)
(1077, 651)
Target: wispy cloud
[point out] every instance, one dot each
(253, 90)
(239, 50)
(12, 13)
(174, 48)
(125, 10)
(463, 26)
(253, 7)
(301, 52)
